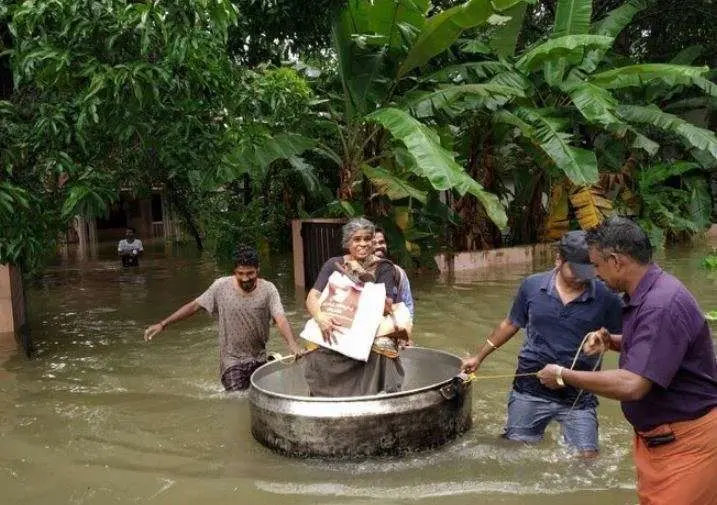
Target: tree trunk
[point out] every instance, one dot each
(180, 204)
(477, 231)
(346, 179)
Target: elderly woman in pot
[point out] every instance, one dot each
(329, 373)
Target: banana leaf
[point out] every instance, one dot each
(572, 17)
(590, 205)
(699, 138)
(640, 75)
(580, 165)
(391, 185)
(434, 162)
(443, 29)
(570, 47)
(557, 223)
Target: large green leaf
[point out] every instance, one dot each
(688, 55)
(394, 187)
(640, 75)
(467, 72)
(434, 162)
(313, 184)
(572, 17)
(597, 105)
(255, 156)
(655, 175)
(508, 118)
(490, 96)
(443, 29)
(359, 68)
(617, 19)
(611, 26)
(361, 36)
(504, 39)
(699, 138)
(640, 141)
(379, 20)
(580, 165)
(562, 47)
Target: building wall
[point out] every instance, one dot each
(12, 301)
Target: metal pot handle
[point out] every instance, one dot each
(456, 386)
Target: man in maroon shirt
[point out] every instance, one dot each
(667, 380)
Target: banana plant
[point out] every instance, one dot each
(567, 93)
(381, 46)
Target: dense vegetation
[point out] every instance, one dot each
(456, 125)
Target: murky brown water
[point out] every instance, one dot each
(100, 417)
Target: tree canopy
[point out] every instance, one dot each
(425, 116)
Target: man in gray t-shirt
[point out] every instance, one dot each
(243, 304)
(130, 249)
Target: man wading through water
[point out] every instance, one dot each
(667, 380)
(130, 249)
(243, 304)
(557, 309)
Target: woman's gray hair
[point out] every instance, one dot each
(355, 225)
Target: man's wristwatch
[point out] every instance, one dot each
(559, 377)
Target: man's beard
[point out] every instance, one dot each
(248, 285)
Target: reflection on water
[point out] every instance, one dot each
(99, 416)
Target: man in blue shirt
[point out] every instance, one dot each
(403, 287)
(557, 309)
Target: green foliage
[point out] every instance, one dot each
(676, 200)
(572, 17)
(710, 261)
(432, 161)
(119, 95)
(392, 186)
(698, 138)
(418, 115)
(443, 29)
(113, 95)
(229, 221)
(269, 32)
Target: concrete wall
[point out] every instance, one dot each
(712, 232)
(476, 260)
(12, 302)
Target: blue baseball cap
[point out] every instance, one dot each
(574, 249)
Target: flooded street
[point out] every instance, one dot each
(100, 417)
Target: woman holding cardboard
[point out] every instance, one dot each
(328, 372)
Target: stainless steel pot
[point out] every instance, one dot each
(433, 408)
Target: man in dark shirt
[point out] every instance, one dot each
(557, 309)
(667, 380)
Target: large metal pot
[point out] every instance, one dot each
(433, 408)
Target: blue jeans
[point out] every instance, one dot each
(529, 415)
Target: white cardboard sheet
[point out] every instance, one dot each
(361, 304)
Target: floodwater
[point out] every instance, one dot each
(98, 416)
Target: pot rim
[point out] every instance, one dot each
(336, 399)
